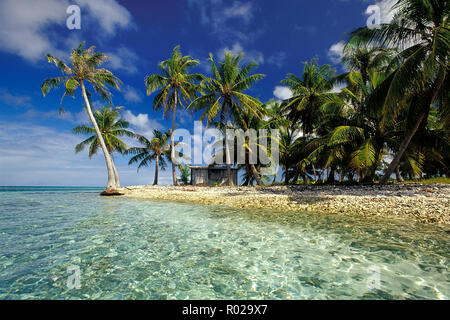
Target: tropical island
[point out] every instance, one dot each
(337, 189)
(387, 115)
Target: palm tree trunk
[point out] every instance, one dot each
(116, 174)
(315, 174)
(227, 148)
(155, 182)
(427, 101)
(256, 174)
(398, 175)
(111, 184)
(396, 161)
(248, 172)
(330, 178)
(174, 171)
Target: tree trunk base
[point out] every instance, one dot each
(111, 192)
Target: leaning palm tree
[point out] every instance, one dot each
(158, 149)
(84, 68)
(420, 71)
(176, 87)
(112, 127)
(223, 95)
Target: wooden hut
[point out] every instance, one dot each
(212, 175)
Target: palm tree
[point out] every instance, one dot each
(291, 147)
(176, 86)
(276, 118)
(309, 92)
(366, 59)
(85, 68)
(111, 127)
(158, 149)
(224, 95)
(420, 70)
(352, 126)
(246, 119)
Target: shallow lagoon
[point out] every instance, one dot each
(137, 249)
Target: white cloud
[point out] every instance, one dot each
(141, 124)
(237, 48)
(338, 87)
(239, 10)
(75, 118)
(282, 93)
(25, 22)
(109, 14)
(131, 94)
(335, 53)
(14, 100)
(123, 59)
(141, 120)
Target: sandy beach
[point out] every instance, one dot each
(428, 203)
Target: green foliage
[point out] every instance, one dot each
(185, 174)
(174, 84)
(158, 146)
(112, 128)
(309, 92)
(223, 93)
(84, 67)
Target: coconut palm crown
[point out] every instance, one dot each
(158, 149)
(176, 87)
(223, 94)
(112, 128)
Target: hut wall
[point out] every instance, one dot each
(199, 176)
(205, 176)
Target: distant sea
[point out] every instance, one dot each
(46, 189)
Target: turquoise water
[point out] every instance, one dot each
(135, 249)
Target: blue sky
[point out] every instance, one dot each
(36, 143)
